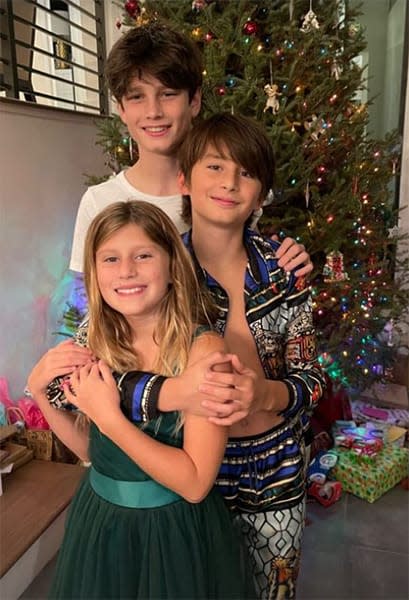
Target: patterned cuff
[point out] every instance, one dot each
(294, 395)
(140, 395)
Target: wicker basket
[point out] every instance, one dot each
(40, 441)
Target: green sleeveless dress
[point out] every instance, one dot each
(165, 548)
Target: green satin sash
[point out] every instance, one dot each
(131, 494)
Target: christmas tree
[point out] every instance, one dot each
(293, 69)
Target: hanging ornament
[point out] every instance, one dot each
(353, 29)
(119, 151)
(130, 148)
(310, 21)
(315, 126)
(250, 28)
(118, 23)
(293, 125)
(336, 69)
(197, 5)
(389, 334)
(271, 89)
(221, 90)
(132, 8)
(393, 232)
(333, 270)
(394, 166)
(372, 264)
(291, 9)
(307, 194)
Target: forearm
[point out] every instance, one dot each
(171, 396)
(64, 426)
(172, 467)
(275, 397)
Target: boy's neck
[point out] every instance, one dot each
(217, 248)
(155, 175)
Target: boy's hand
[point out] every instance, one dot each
(232, 396)
(292, 255)
(93, 390)
(58, 361)
(186, 386)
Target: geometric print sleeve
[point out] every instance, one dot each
(304, 378)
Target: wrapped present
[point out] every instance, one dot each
(370, 478)
(366, 440)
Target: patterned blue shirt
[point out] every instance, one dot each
(266, 471)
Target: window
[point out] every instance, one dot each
(52, 52)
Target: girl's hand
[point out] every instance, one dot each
(232, 396)
(59, 361)
(93, 390)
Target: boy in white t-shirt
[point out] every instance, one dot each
(155, 75)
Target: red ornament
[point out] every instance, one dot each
(132, 8)
(221, 91)
(250, 28)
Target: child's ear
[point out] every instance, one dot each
(196, 103)
(121, 112)
(260, 202)
(184, 189)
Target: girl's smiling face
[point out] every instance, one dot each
(133, 273)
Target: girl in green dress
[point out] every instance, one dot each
(146, 522)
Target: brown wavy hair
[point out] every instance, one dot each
(183, 308)
(158, 50)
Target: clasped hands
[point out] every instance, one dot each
(224, 397)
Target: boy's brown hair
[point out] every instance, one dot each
(234, 136)
(158, 50)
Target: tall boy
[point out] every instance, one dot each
(155, 75)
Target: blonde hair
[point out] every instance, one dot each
(183, 308)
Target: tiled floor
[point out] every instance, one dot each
(351, 550)
(355, 550)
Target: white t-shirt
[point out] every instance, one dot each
(116, 189)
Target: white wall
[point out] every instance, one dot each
(44, 154)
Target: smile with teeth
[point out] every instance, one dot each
(128, 291)
(157, 129)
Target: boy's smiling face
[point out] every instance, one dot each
(158, 117)
(221, 191)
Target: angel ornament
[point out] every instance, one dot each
(271, 89)
(315, 126)
(310, 21)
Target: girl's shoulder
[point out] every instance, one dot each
(206, 340)
(202, 329)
